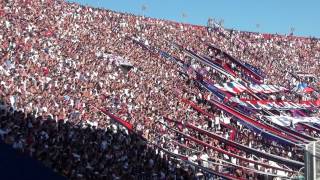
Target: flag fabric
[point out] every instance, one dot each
(236, 88)
(308, 90)
(287, 120)
(119, 120)
(245, 68)
(303, 87)
(275, 105)
(234, 145)
(256, 125)
(255, 69)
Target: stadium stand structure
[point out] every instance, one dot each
(312, 160)
(87, 91)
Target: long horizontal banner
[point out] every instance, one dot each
(246, 69)
(257, 126)
(244, 148)
(287, 120)
(275, 105)
(236, 88)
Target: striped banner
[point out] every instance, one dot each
(236, 88)
(275, 105)
(287, 120)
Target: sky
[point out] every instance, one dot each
(268, 16)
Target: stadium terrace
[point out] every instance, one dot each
(97, 94)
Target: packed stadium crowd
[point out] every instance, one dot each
(86, 152)
(63, 64)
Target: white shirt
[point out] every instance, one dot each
(12, 100)
(217, 120)
(204, 157)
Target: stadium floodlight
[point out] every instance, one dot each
(258, 26)
(221, 23)
(143, 9)
(292, 30)
(184, 15)
(210, 24)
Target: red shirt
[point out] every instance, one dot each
(45, 71)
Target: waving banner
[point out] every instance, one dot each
(287, 120)
(275, 105)
(236, 88)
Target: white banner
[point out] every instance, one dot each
(287, 120)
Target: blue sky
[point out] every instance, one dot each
(273, 16)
